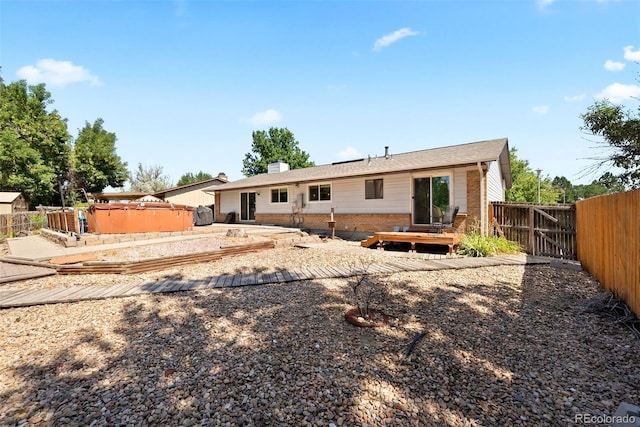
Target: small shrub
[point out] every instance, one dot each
(476, 245)
(367, 291)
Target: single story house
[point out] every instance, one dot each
(192, 195)
(12, 202)
(380, 193)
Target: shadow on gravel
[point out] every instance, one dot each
(503, 346)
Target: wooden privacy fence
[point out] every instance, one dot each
(63, 220)
(547, 230)
(609, 243)
(13, 224)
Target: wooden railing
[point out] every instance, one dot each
(547, 230)
(609, 243)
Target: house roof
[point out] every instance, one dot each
(130, 195)
(434, 158)
(9, 196)
(119, 195)
(221, 179)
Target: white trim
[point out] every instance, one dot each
(431, 174)
(286, 187)
(329, 183)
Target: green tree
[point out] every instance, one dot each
(585, 191)
(567, 192)
(149, 179)
(611, 182)
(620, 132)
(95, 164)
(524, 187)
(189, 178)
(268, 147)
(35, 146)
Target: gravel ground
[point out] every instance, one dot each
(503, 346)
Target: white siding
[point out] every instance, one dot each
(460, 189)
(264, 205)
(348, 195)
(230, 201)
(494, 182)
(192, 198)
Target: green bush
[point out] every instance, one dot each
(476, 245)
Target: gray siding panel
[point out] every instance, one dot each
(460, 189)
(494, 178)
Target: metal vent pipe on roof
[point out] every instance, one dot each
(386, 151)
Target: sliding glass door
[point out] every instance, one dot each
(431, 196)
(248, 206)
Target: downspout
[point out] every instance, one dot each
(483, 219)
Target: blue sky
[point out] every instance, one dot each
(184, 83)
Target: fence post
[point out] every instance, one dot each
(532, 243)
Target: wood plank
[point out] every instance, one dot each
(178, 284)
(62, 294)
(203, 283)
(295, 276)
(209, 283)
(167, 283)
(136, 290)
(118, 290)
(9, 299)
(343, 272)
(237, 279)
(303, 274)
(8, 295)
(26, 299)
(73, 259)
(313, 273)
(219, 283)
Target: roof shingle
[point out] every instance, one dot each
(455, 155)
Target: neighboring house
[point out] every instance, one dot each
(12, 202)
(406, 190)
(192, 195)
(117, 197)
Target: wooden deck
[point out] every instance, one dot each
(449, 239)
(26, 297)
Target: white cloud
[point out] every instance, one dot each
(349, 153)
(57, 73)
(618, 92)
(540, 109)
(265, 117)
(630, 54)
(614, 66)
(575, 98)
(389, 39)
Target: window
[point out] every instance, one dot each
(320, 193)
(279, 195)
(373, 189)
